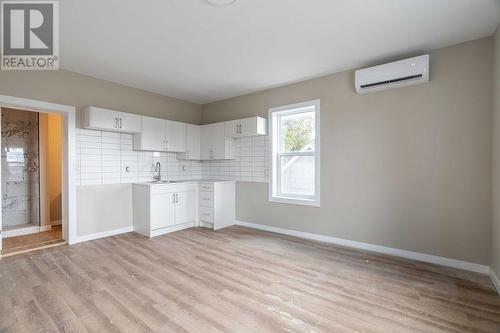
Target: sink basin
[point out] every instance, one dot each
(164, 181)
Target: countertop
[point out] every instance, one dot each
(180, 182)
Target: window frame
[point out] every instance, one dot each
(275, 156)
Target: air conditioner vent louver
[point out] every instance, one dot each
(393, 75)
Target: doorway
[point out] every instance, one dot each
(31, 159)
(67, 203)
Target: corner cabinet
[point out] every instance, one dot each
(161, 135)
(254, 126)
(104, 119)
(193, 143)
(214, 143)
(160, 209)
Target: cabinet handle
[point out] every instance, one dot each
(116, 122)
(176, 198)
(166, 145)
(204, 214)
(120, 121)
(173, 198)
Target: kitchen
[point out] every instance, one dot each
(173, 170)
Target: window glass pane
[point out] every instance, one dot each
(297, 175)
(297, 132)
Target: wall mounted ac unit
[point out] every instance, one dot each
(396, 74)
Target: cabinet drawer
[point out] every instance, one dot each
(206, 187)
(206, 199)
(206, 214)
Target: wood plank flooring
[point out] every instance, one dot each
(236, 280)
(31, 242)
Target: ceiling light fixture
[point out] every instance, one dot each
(221, 2)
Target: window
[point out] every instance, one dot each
(294, 146)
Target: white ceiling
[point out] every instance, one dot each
(201, 53)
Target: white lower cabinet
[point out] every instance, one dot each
(217, 204)
(162, 208)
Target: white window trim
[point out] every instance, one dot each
(274, 178)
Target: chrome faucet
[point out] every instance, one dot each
(157, 177)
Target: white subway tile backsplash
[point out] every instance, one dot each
(103, 157)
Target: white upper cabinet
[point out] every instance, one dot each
(152, 136)
(231, 128)
(130, 123)
(193, 142)
(175, 136)
(161, 135)
(105, 119)
(214, 143)
(206, 145)
(253, 126)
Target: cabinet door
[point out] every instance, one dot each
(152, 136)
(248, 126)
(206, 146)
(218, 141)
(102, 118)
(129, 122)
(185, 207)
(175, 134)
(231, 128)
(193, 133)
(162, 210)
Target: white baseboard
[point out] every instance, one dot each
(174, 228)
(25, 230)
(103, 234)
(468, 266)
(45, 228)
(495, 280)
(56, 222)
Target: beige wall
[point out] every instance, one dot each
(44, 160)
(79, 90)
(55, 167)
(408, 168)
(103, 208)
(50, 168)
(495, 262)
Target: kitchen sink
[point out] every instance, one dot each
(165, 181)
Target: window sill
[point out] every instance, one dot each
(295, 201)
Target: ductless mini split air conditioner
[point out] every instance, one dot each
(396, 74)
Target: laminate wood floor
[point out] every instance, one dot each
(236, 280)
(31, 242)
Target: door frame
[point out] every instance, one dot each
(68, 114)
